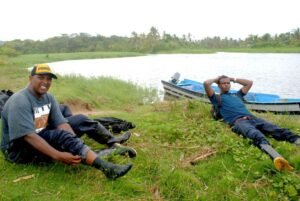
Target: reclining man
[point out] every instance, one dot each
(235, 113)
(27, 139)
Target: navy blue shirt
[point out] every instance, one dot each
(232, 106)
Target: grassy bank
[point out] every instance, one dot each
(167, 137)
(14, 74)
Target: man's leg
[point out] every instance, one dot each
(248, 128)
(117, 149)
(281, 134)
(22, 152)
(65, 141)
(279, 162)
(111, 171)
(81, 124)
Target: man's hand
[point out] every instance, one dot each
(68, 158)
(41, 145)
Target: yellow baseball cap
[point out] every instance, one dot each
(42, 69)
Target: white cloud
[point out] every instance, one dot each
(36, 19)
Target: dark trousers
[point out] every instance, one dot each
(81, 125)
(22, 152)
(256, 128)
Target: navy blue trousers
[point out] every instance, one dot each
(81, 125)
(256, 129)
(22, 152)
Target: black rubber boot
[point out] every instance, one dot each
(100, 133)
(105, 152)
(123, 150)
(117, 149)
(110, 170)
(279, 162)
(120, 139)
(103, 136)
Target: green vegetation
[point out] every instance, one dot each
(168, 136)
(153, 42)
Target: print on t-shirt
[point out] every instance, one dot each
(41, 115)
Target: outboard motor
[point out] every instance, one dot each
(175, 78)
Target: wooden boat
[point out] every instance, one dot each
(254, 101)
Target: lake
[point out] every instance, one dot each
(271, 73)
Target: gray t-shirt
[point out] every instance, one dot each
(23, 114)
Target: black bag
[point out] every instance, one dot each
(4, 96)
(114, 124)
(110, 123)
(215, 109)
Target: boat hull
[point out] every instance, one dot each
(179, 92)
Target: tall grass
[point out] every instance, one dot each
(101, 93)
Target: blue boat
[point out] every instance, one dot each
(191, 89)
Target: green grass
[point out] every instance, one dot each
(167, 136)
(45, 58)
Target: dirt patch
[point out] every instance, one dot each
(156, 193)
(79, 107)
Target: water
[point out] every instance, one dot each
(271, 73)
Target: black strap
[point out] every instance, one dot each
(219, 101)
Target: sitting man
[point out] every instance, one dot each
(26, 137)
(235, 113)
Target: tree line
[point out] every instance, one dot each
(151, 42)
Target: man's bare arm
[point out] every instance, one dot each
(247, 84)
(207, 86)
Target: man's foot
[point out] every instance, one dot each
(120, 139)
(117, 149)
(116, 171)
(297, 142)
(113, 171)
(122, 150)
(281, 164)
(105, 152)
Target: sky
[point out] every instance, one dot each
(42, 19)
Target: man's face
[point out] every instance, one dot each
(224, 84)
(40, 84)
